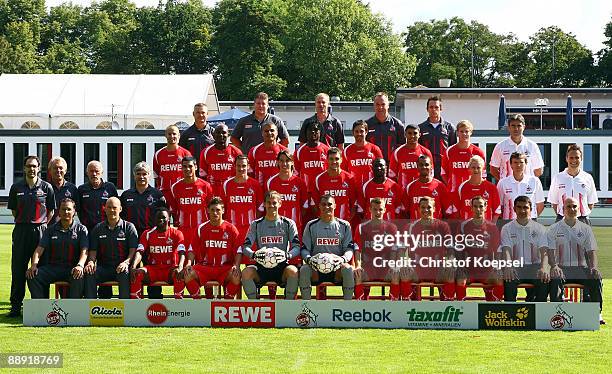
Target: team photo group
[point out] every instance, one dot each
(237, 208)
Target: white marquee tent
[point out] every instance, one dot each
(90, 101)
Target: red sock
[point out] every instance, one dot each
(359, 294)
(179, 286)
(321, 293)
(136, 286)
(394, 292)
(231, 290)
(193, 286)
(405, 290)
(208, 291)
(366, 293)
(272, 291)
(460, 292)
(498, 292)
(448, 291)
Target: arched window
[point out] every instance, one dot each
(69, 125)
(182, 125)
(30, 125)
(144, 125)
(104, 125)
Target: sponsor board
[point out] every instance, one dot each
(242, 314)
(440, 315)
(167, 312)
(506, 316)
(106, 313)
(55, 313)
(313, 313)
(567, 316)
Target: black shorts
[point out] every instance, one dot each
(271, 275)
(327, 278)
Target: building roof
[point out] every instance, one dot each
(56, 95)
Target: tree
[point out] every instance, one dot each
(471, 54)
(107, 36)
(573, 62)
(340, 47)
(604, 65)
(246, 48)
(173, 38)
(17, 49)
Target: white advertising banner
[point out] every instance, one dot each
(377, 314)
(567, 316)
(313, 313)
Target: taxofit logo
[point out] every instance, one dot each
(242, 314)
(434, 316)
(106, 313)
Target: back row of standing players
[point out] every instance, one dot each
(389, 161)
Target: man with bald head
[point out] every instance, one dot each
(93, 196)
(572, 256)
(112, 244)
(217, 161)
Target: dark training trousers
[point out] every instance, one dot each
(528, 274)
(106, 274)
(48, 274)
(593, 288)
(25, 240)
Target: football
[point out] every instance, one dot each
(270, 257)
(325, 263)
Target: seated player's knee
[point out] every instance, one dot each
(249, 273)
(290, 271)
(346, 272)
(189, 275)
(461, 281)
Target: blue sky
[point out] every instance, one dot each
(585, 19)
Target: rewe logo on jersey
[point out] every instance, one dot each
(362, 161)
(171, 167)
(242, 314)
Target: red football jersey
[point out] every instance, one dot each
(162, 248)
(167, 167)
(358, 161)
(486, 189)
(310, 162)
(429, 243)
(390, 191)
(294, 196)
(444, 206)
(218, 165)
(242, 201)
(189, 201)
(341, 187)
(215, 245)
(403, 163)
(262, 162)
(364, 238)
(486, 235)
(457, 170)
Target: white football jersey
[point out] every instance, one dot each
(582, 187)
(509, 189)
(524, 241)
(504, 149)
(571, 243)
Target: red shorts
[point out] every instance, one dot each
(160, 273)
(212, 273)
(427, 268)
(242, 233)
(188, 234)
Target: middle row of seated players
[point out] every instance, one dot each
(565, 252)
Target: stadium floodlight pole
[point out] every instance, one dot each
(541, 103)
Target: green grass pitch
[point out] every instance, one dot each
(112, 350)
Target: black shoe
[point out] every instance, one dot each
(14, 313)
(602, 321)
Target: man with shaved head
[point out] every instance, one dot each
(572, 256)
(93, 196)
(217, 161)
(112, 245)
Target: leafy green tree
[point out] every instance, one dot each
(17, 49)
(573, 62)
(246, 47)
(604, 65)
(173, 38)
(340, 47)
